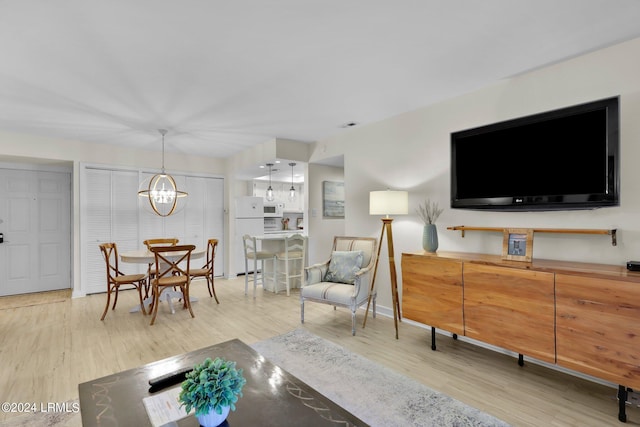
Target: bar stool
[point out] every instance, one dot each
(295, 250)
(251, 252)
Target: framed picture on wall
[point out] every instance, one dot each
(332, 199)
(517, 244)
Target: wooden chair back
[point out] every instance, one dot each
(212, 248)
(110, 255)
(149, 243)
(168, 262)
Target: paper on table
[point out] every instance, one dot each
(163, 408)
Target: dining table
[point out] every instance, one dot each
(145, 256)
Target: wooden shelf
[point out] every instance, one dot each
(608, 232)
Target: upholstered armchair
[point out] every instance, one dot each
(345, 279)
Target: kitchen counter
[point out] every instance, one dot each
(282, 233)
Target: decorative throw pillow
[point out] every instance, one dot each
(343, 266)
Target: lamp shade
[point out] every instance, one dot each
(388, 202)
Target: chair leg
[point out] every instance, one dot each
(374, 306)
(255, 275)
(209, 285)
(187, 300)
(353, 321)
(156, 303)
(246, 275)
(140, 285)
(106, 307)
(115, 299)
(212, 288)
(301, 310)
(287, 278)
(275, 275)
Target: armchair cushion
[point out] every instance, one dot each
(343, 266)
(334, 293)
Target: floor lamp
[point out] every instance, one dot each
(387, 203)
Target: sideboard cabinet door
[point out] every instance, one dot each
(598, 327)
(512, 308)
(432, 292)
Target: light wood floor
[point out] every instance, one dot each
(51, 343)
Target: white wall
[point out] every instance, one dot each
(321, 230)
(411, 152)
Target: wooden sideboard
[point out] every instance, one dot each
(582, 316)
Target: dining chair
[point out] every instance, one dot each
(115, 278)
(295, 249)
(149, 243)
(251, 252)
(169, 274)
(207, 270)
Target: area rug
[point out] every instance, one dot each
(375, 394)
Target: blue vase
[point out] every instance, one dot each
(430, 238)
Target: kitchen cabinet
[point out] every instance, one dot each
(281, 194)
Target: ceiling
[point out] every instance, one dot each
(223, 76)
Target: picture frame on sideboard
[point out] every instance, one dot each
(517, 244)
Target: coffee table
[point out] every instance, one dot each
(271, 396)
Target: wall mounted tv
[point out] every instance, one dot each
(557, 160)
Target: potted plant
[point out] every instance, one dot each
(212, 389)
(429, 213)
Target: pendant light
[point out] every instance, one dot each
(269, 196)
(161, 190)
(292, 190)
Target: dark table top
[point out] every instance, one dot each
(271, 396)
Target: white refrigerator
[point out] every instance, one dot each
(249, 220)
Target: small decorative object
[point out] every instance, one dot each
(285, 223)
(212, 389)
(429, 213)
(517, 244)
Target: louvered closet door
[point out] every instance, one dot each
(214, 220)
(110, 214)
(204, 216)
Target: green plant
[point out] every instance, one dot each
(429, 212)
(213, 384)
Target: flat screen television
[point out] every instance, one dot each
(557, 160)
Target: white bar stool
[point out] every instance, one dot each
(251, 252)
(295, 250)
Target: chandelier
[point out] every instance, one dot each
(161, 189)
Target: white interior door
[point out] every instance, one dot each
(35, 219)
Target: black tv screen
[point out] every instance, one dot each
(557, 160)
